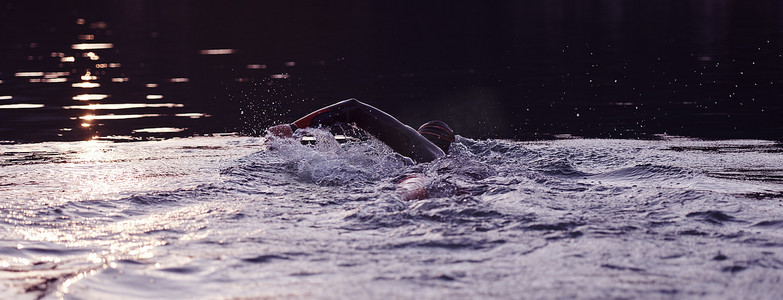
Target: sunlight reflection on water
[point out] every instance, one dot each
(92, 65)
(123, 105)
(117, 117)
(618, 77)
(20, 106)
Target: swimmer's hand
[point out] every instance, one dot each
(282, 130)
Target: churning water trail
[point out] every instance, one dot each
(234, 217)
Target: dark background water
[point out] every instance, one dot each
(492, 69)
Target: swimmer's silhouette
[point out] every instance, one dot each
(430, 142)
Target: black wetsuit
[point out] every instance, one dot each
(400, 137)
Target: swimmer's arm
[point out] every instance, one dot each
(326, 116)
(400, 137)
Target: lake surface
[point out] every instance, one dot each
(240, 217)
(606, 149)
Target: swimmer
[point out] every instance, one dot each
(430, 142)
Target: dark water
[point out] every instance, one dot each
(505, 69)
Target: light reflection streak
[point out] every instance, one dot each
(86, 85)
(117, 117)
(48, 80)
(6, 97)
(192, 115)
(89, 97)
(154, 97)
(217, 51)
(92, 46)
(159, 130)
(180, 79)
(29, 74)
(120, 79)
(124, 106)
(55, 74)
(20, 106)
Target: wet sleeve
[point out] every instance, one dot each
(400, 137)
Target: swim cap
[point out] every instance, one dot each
(438, 133)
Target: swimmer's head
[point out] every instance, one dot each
(438, 133)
